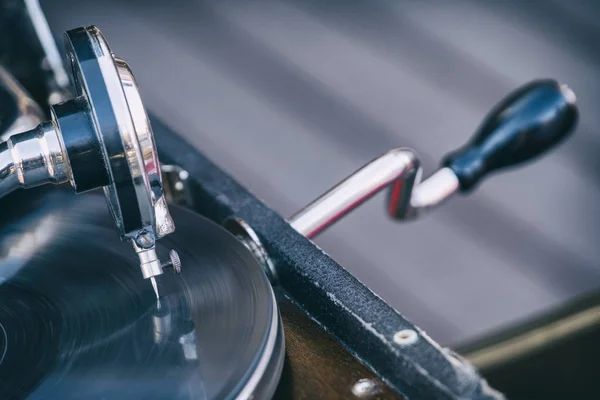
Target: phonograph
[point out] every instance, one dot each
(163, 278)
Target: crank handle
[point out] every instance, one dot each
(527, 123)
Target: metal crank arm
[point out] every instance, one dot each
(527, 123)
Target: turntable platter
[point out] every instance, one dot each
(78, 321)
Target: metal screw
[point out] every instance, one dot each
(405, 337)
(174, 261)
(145, 240)
(365, 388)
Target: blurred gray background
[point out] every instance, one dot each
(291, 96)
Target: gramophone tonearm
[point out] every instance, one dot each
(100, 138)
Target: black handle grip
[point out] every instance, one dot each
(528, 122)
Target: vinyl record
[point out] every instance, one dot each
(78, 321)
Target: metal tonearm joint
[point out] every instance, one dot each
(527, 123)
(101, 138)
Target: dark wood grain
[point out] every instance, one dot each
(316, 365)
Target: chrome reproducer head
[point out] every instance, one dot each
(99, 139)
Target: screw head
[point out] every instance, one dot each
(365, 388)
(145, 240)
(405, 337)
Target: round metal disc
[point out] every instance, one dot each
(132, 169)
(77, 320)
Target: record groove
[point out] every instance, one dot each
(80, 322)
